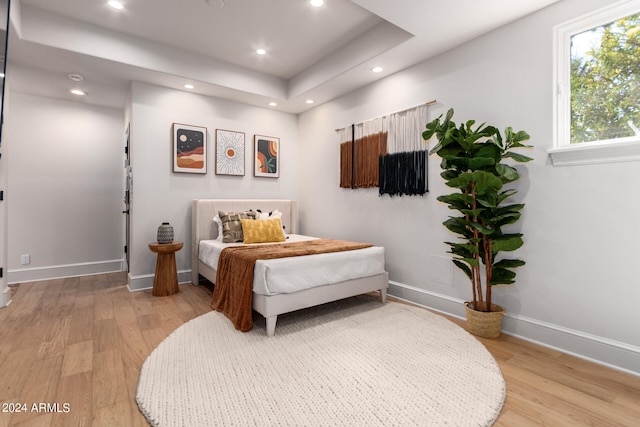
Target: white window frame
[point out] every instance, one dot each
(563, 152)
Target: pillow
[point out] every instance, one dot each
(231, 225)
(271, 215)
(262, 215)
(267, 215)
(216, 219)
(262, 231)
(278, 214)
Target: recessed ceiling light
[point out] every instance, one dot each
(75, 77)
(261, 52)
(273, 104)
(377, 69)
(316, 3)
(116, 4)
(217, 3)
(78, 92)
(309, 101)
(188, 86)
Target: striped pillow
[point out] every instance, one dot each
(231, 225)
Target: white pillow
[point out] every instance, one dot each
(271, 215)
(277, 214)
(263, 215)
(216, 219)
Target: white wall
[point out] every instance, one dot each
(160, 195)
(66, 184)
(578, 291)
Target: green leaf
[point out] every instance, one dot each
(431, 129)
(463, 180)
(507, 243)
(473, 262)
(481, 228)
(489, 200)
(505, 194)
(479, 162)
(509, 263)
(489, 150)
(465, 250)
(473, 213)
(449, 174)
(452, 151)
(490, 131)
(460, 200)
(435, 149)
(449, 115)
(508, 218)
(497, 140)
(449, 135)
(517, 157)
(485, 182)
(459, 163)
(507, 172)
(520, 136)
(457, 226)
(516, 207)
(508, 134)
(463, 254)
(502, 276)
(464, 267)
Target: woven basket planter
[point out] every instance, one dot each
(484, 324)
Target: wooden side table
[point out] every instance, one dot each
(165, 281)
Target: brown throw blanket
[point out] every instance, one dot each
(233, 291)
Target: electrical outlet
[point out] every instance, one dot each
(25, 259)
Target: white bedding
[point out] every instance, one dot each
(287, 275)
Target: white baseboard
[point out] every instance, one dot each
(5, 297)
(614, 354)
(145, 281)
(36, 274)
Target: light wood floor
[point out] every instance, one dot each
(82, 341)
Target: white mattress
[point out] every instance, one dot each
(287, 275)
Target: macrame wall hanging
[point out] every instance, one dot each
(387, 152)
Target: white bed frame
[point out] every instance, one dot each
(270, 306)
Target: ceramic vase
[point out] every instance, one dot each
(165, 233)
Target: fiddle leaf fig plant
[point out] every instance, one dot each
(472, 164)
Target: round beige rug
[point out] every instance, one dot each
(355, 362)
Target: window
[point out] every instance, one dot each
(597, 83)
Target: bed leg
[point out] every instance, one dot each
(271, 325)
(383, 295)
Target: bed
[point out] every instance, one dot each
(272, 302)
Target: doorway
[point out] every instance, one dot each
(127, 198)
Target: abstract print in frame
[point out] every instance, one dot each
(229, 152)
(266, 157)
(189, 148)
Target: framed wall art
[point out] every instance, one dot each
(229, 152)
(266, 156)
(189, 148)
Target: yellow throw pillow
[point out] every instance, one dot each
(262, 231)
